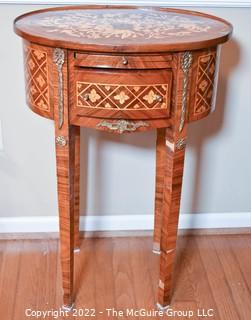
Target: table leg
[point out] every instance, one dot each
(175, 153)
(65, 155)
(76, 189)
(159, 186)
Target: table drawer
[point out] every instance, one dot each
(134, 94)
(122, 61)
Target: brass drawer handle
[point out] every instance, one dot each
(158, 98)
(124, 61)
(122, 125)
(86, 96)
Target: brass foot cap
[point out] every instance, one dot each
(162, 308)
(68, 308)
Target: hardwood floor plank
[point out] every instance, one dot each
(217, 278)
(241, 248)
(85, 283)
(191, 288)
(32, 279)
(10, 268)
(104, 280)
(182, 290)
(139, 263)
(236, 282)
(198, 291)
(123, 277)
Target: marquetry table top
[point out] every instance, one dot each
(127, 29)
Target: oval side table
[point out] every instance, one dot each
(121, 69)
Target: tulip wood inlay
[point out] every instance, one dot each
(121, 69)
(205, 82)
(37, 81)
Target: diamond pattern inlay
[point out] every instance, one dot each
(205, 82)
(37, 88)
(129, 97)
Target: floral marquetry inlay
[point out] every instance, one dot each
(151, 96)
(123, 25)
(121, 97)
(205, 82)
(37, 90)
(130, 97)
(94, 96)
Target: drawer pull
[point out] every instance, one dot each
(122, 125)
(86, 96)
(124, 61)
(158, 98)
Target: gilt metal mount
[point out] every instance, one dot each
(61, 141)
(58, 59)
(181, 143)
(122, 125)
(186, 65)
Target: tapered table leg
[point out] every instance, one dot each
(159, 186)
(76, 190)
(65, 179)
(66, 137)
(175, 152)
(175, 142)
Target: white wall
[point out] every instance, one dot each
(120, 174)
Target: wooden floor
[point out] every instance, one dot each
(212, 272)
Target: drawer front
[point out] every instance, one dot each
(118, 94)
(122, 61)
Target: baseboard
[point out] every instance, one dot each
(49, 224)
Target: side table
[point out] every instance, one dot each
(121, 69)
